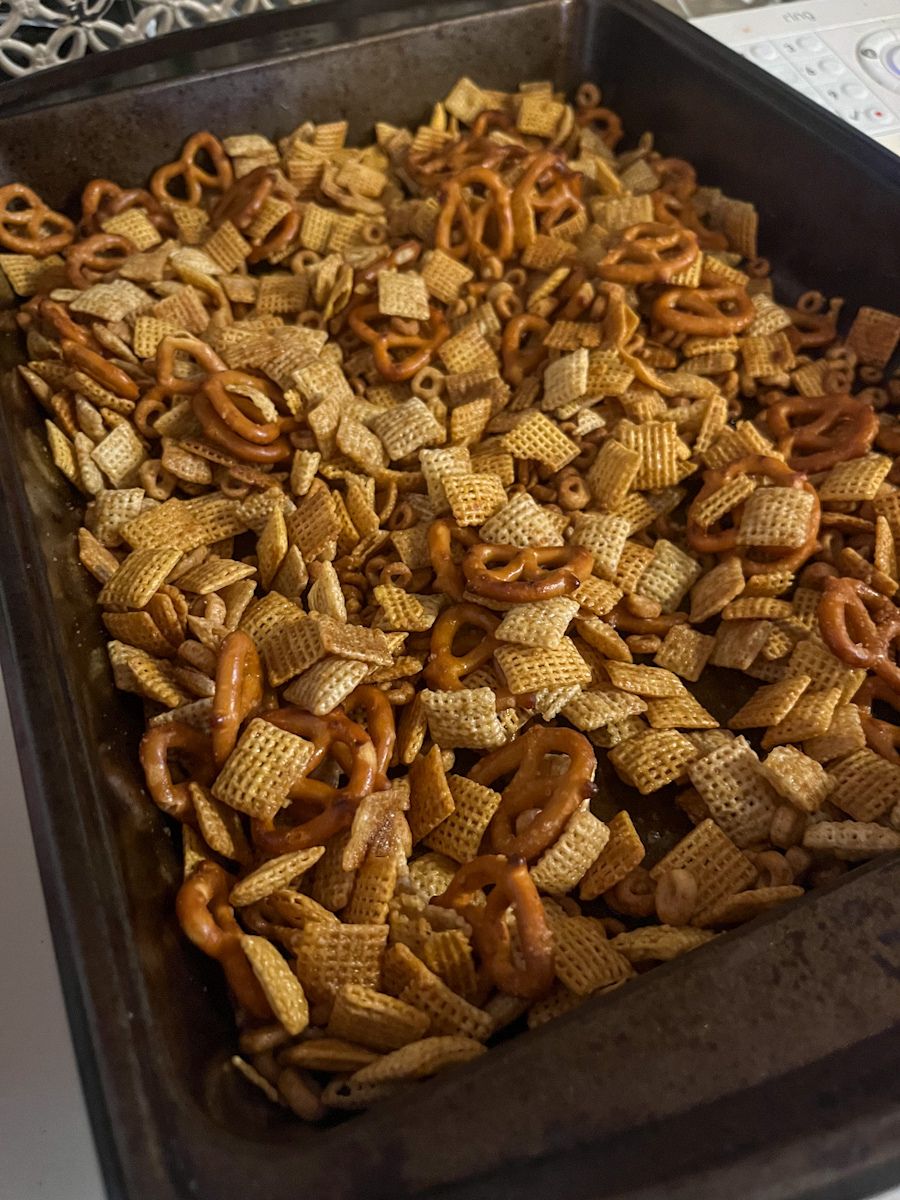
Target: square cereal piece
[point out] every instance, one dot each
(653, 759)
(723, 500)
(645, 680)
(468, 350)
(262, 769)
(744, 906)
(541, 623)
(444, 276)
(538, 438)
(661, 451)
(326, 684)
(605, 535)
(810, 717)
(373, 888)
(776, 516)
(449, 1014)
(855, 479)
(740, 800)
(851, 841)
(715, 589)
(473, 498)
(119, 455)
(402, 294)
(813, 658)
(770, 704)
(563, 865)
(331, 954)
(623, 852)
(404, 611)
(566, 379)
(874, 335)
(292, 647)
(659, 943)
(466, 718)
(368, 1018)
(684, 652)
(597, 596)
(717, 865)
(864, 785)
(459, 834)
(668, 575)
(601, 706)
(585, 960)
(539, 114)
(528, 669)
(521, 522)
(679, 712)
(407, 427)
(603, 640)
(798, 778)
(738, 643)
(844, 735)
(430, 798)
(139, 576)
(466, 100)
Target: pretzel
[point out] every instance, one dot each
(28, 226)
(717, 540)
(106, 373)
(241, 202)
(649, 253)
(96, 258)
(102, 199)
(238, 692)
(530, 972)
(519, 575)
(611, 132)
(221, 433)
(813, 330)
(194, 177)
(202, 354)
(529, 759)
(669, 210)
(279, 237)
(519, 361)
(223, 391)
(187, 744)
(207, 918)
(861, 627)
(548, 188)
(333, 736)
(445, 670)
(676, 177)
(882, 736)
(57, 317)
(478, 219)
(816, 432)
(448, 574)
(475, 149)
(401, 256)
(384, 343)
(380, 726)
(706, 311)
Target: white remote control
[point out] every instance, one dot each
(844, 54)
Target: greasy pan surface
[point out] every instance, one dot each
(763, 1064)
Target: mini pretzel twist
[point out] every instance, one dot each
(716, 539)
(443, 534)
(861, 627)
(194, 178)
(207, 918)
(28, 225)
(512, 888)
(649, 253)
(816, 432)
(881, 736)
(611, 130)
(547, 194)
(335, 737)
(676, 177)
(446, 670)
(102, 199)
(385, 343)
(484, 223)
(517, 575)
(185, 744)
(96, 258)
(706, 311)
(380, 726)
(532, 761)
(238, 691)
(522, 346)
(669, 210)
(241, 203)
(203, 356)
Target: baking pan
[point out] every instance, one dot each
(765, 1065)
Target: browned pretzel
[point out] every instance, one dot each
(861, 627)
(520, 575)
(238, 692)
(194, 178)
(816, 432)
(28, 226)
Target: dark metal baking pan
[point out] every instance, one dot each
(763, 1066)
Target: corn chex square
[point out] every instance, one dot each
(564, 864)
(661, 449)
(770, 704)
(402, 294)
(459, 835)
(813, 658)
(717, 865)
(521, 522)
(139, 576)
(540, 623)
(613, 473)
(537, 437)
(668, 575)
(796, 777)
(623, 851)
(874, 335)
(407, 427)
(844, 735)
(809, 717)
(326, 684)
(605, 535)
(653, 682)
(600, 706)
(740, 800)
(684, 652)
(473, 498)
(865, 785)
(776, 516)
(855, 479)
(716, 588)
(528, 669)
(653, 759)
(466, 718)
(261, 770)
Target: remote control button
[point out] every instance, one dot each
(764, 52)
(878, 117)
(855, 91)
(810, 44)
(832, 66)
(893, 60)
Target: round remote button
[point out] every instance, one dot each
(764, 52)
(832, 66)
(878, 116)
(855, 91)
(810, 43)
(892, 58)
